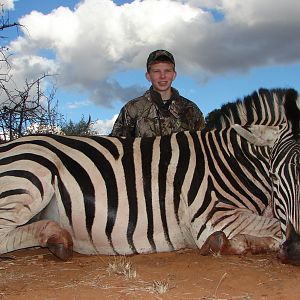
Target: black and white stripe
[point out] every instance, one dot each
(285, 167)
(127, 196)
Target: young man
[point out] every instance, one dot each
(161, 110)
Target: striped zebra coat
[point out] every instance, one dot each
(273, 108)
(125, 196)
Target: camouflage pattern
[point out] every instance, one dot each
(155, 55)
(148, 116)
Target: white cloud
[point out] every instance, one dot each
(78, 104)
(104, 127)
(254, 12)
(33, 64)
(99, 38)
(8, 4)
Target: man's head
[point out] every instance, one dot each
(161, 72)
(160, 56)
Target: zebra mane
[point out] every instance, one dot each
(292, 109)
(262, 107)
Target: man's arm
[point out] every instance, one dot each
(199, 122)
(194, 116)
(124, 125)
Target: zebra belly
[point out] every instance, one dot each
(91, 248)
(120, 244)
(123, 240)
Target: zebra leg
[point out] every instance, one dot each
(218, 243)
(242, 231)
(44, 233)
(56, 239)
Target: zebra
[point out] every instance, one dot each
(283, 110)
(121, 196)
(265, 107)
(285, 172)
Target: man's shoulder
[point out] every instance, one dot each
(187, 103)
(190, 114)
(186, 100)
(190, 109)
(138, 101)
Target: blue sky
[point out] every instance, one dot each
(223, 49)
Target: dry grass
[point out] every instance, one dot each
(121, 266)
(140, 277)
(160, 287)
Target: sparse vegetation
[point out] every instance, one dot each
(160, 287)
(121, 266)
(82, 128)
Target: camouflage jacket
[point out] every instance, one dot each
(148, 116)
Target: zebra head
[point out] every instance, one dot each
(285, 173)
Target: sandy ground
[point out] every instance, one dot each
(36, 274)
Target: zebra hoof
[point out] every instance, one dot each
(60, 251)
(62, 246)
(214, 244)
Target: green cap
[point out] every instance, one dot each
(158, 55)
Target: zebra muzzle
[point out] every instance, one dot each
(289, 252)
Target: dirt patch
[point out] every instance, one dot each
(36, 274)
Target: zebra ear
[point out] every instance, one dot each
(259, 135)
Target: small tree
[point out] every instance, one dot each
(25, 108)
(5, 23)
(31, 107)
(82, 128)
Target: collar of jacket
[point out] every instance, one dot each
(155, 97)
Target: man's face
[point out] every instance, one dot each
(161, 75)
